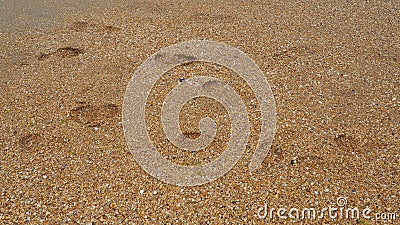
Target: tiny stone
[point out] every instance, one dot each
(141, 191)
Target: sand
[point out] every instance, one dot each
(333, 68)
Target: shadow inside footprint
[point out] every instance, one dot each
(66, 52)
(94, 115)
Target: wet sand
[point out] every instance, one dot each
(333, 67)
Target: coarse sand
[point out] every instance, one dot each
(333, 66)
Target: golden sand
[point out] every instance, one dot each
(333, 67)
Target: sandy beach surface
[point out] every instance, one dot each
(333, 66)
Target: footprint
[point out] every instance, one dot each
(292, 53)
(173, 59)
(94, 115)
(345, 143)
(79, 26)
(66, 52)
(29, 140)
(108, 29)
(82, 26)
